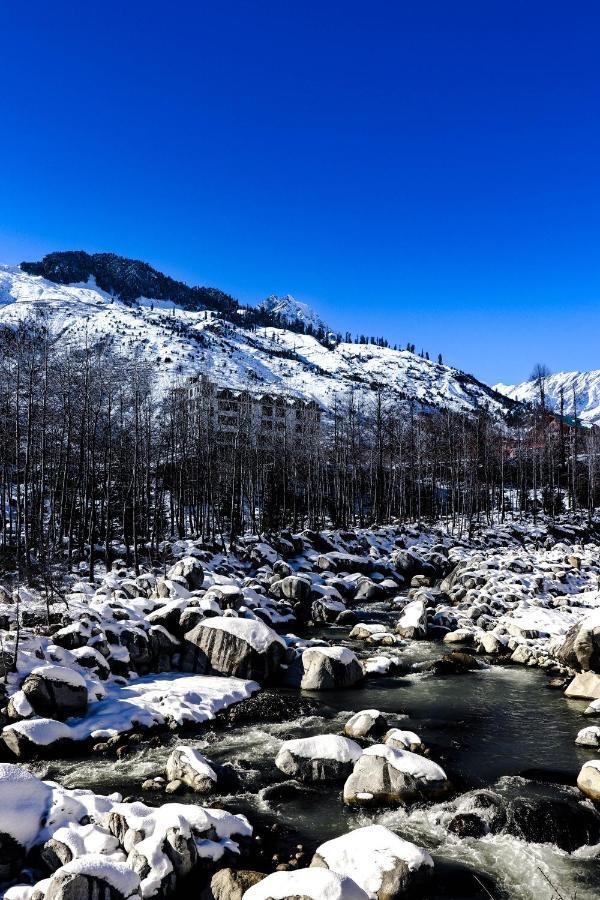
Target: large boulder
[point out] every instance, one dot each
(413, 621)
(306, 884)
(232, 884)
(225, 645)
(585, 686)
(56, 692)
(32, 737)
(295, 588)
(588, 780)
(329, 668)
(325, 757)
(344, 562)
(384, 865)
(189, 568)
(189, 767)
(384, 776)
(581, 646)
(367, 723)
(94, 877)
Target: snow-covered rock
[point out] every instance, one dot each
(227, 645)
(306, 884)
(93, 877)
(413, 621)
(187, 765)
(384, 776)
(328, 668)
(365, 724)
(56, 692)
(325, 757)
(384, 865)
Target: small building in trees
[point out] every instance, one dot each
(257, 417)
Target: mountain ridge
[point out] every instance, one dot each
(235, 346)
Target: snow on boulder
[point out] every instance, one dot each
(588, 780)
(189, 568)
(226, 645)
(325, 757)
(24, 800)
(384, 776)
(328, 668)
(295, 588)
(192, 769)
(28, 737)
(384, 865)
(366, 723)
(306, 884)
(94, 877)
(344, 562)
(326, 610)
(399, 739)
(365, 630)
(413, 621)
(56, 692)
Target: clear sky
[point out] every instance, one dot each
(427, 171)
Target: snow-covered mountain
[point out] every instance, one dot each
(580, 394)
(182, 341)
(291, 310)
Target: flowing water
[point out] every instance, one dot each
(502, 726)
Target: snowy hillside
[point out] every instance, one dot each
(292, 310)
(183, 342)
(580, 390)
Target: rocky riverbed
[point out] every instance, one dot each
(377, 713)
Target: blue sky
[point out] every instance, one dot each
(428, 171)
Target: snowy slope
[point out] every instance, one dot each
(292, 310)
(183, 342)
(581, 393)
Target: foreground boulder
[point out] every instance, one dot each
(225, 645)
(329, 668)
(94, 877)
(387, 777)
(581, 647)
(56, 692)
(381, 863)
(588, 780)
(325, 757)
(306, 884)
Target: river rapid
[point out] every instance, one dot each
(501, 728)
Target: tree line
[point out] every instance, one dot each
(100, 459)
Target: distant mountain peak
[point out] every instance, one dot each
(291, 310)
